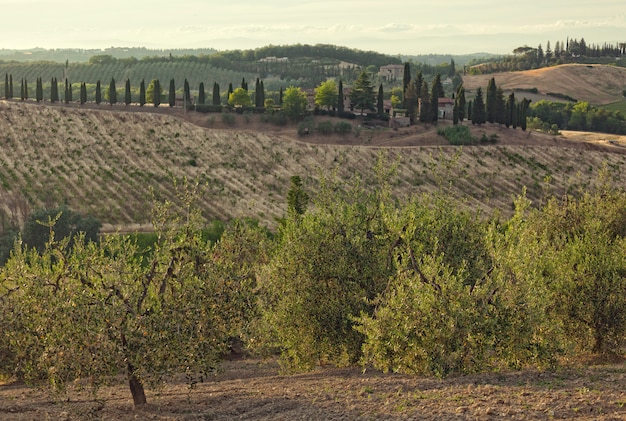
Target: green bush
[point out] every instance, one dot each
(343, 127)
(457, 135)
(228, 119)
(325, 127)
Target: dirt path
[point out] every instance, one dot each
(251, 389)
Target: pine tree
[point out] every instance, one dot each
(491, 101)
(217, 100)
(83, 93)
(98, 93)
(112, 92)
(142, 93)
(39, 90)
(478, 111)
(172, 94)
(362, 94)
(380, 102)
(340, 105)
(127, 94)
(201, 94)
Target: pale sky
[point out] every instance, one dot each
(389, 26)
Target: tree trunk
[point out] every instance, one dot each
(136, 387)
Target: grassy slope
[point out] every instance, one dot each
(106, 163)
(596, 84)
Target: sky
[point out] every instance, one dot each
(407, 27)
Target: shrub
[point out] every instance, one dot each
(457, 135)
(207, 108)
(325, 127)
(278, 119)
(347, 115)
(228, 119)
(343, 127)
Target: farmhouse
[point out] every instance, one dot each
(391, 72)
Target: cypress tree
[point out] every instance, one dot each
(98, 93)
(201, 94)
(262, 99)
(491, 101)
(230, 91)
(83, 93)
(435, 93)
(217, 100)
(39, 90)
(411, 101)
(478, 111)
(22, 89)
(425, 108)
(470, 107)
(186, 94)
(280, 96)
(340, 105)
(127, 95)
(257, 93)
(10, 86)
(419, 82)
(244, 84)
(156, 95)
(172, 94)
(406, 80)
(460, 100)
(142, 93)
(380, 102)
(54, 90)
(66, 95)
(112, 92)
(25, 89)
(500, 106)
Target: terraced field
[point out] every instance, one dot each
(111, 161)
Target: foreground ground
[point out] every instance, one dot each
(251, 389)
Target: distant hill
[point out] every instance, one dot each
(437, 59)
(81, 55)
(596, 84)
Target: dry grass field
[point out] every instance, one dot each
(109, 162)
(596, 84)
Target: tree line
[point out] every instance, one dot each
(568, 51)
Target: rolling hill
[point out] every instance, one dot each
(596, 84)
(111, 161)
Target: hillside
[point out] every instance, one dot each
(106, 162)
(596, 84)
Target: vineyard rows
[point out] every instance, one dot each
(106, 163)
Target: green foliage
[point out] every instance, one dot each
(228, 119)
(325, 127)
(343, 127)
(294, 103)
(326, 263)
(240, 98)
(87, 311)
(362, 93)
(458, 135)
(67, 223)
(326, 94)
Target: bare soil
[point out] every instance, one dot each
(596, 84)
(251, 389)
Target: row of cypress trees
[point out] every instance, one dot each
(154, 88)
